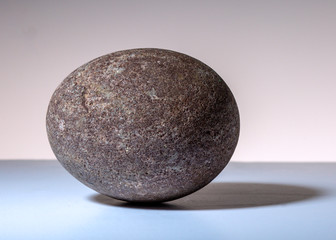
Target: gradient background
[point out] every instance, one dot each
(278, 57)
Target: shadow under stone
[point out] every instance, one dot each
(229, 195)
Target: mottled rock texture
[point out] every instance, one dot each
(143, 125)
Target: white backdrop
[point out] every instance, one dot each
(278, 57)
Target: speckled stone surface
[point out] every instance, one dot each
(143, 125)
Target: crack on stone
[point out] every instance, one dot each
(84, 100)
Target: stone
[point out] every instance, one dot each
(143, 125)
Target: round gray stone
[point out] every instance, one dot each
(143, 125)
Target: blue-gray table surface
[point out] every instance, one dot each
(40, 200)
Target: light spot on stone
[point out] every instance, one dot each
(144, 65)
(152, 94)
(114, 69)
(61, 125)
(118, 70)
